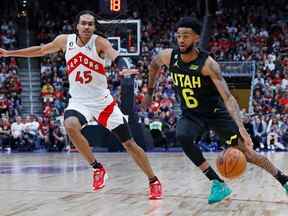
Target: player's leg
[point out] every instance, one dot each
(74, 122)
(187, 131)
(228, 131)
(122, 132)
(113, 119)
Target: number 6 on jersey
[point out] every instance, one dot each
(191, 102)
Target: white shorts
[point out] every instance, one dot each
(106, 111)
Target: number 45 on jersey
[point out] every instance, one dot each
(84, 77)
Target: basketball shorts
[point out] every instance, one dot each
(105, 112)
(194, 125)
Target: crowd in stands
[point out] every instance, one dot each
(31, 133)
(260, 34)
(10, 85)
(27, 133)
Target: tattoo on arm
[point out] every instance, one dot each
(229, 100)
(234, 110)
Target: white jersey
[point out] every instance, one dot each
(17, 129)
(86, 70)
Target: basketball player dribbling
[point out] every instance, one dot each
(90, 98)
(206, 104)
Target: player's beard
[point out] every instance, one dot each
(188, 50)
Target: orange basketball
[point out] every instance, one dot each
(231, 163)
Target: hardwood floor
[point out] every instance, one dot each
(60, 184)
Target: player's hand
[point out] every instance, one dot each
(3, 53)
(147, 101)
(246, 138)
(128, 72)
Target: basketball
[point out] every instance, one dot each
(231, 163)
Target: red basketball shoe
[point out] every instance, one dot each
(155, 190)
(99, 178)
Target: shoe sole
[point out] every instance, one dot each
(155, 198)
(225, 198)
(101, 186)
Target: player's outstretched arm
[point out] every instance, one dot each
(35, 51)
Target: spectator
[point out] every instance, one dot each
(17, 129)
(5, 134)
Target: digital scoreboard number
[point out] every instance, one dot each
(113, 6)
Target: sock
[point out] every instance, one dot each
(153, 179)
(211, 174)
(282, 178)
(96, 165)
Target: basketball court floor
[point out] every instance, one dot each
(59, 184)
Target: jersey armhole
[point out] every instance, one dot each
(70, 38)
(203, 65)
(173, 57)
(63, 49)
(101, 54)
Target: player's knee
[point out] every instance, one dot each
(122, 132)
(191, 150)
(72, 125)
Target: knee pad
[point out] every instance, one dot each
(122, 132)
(192, 150)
